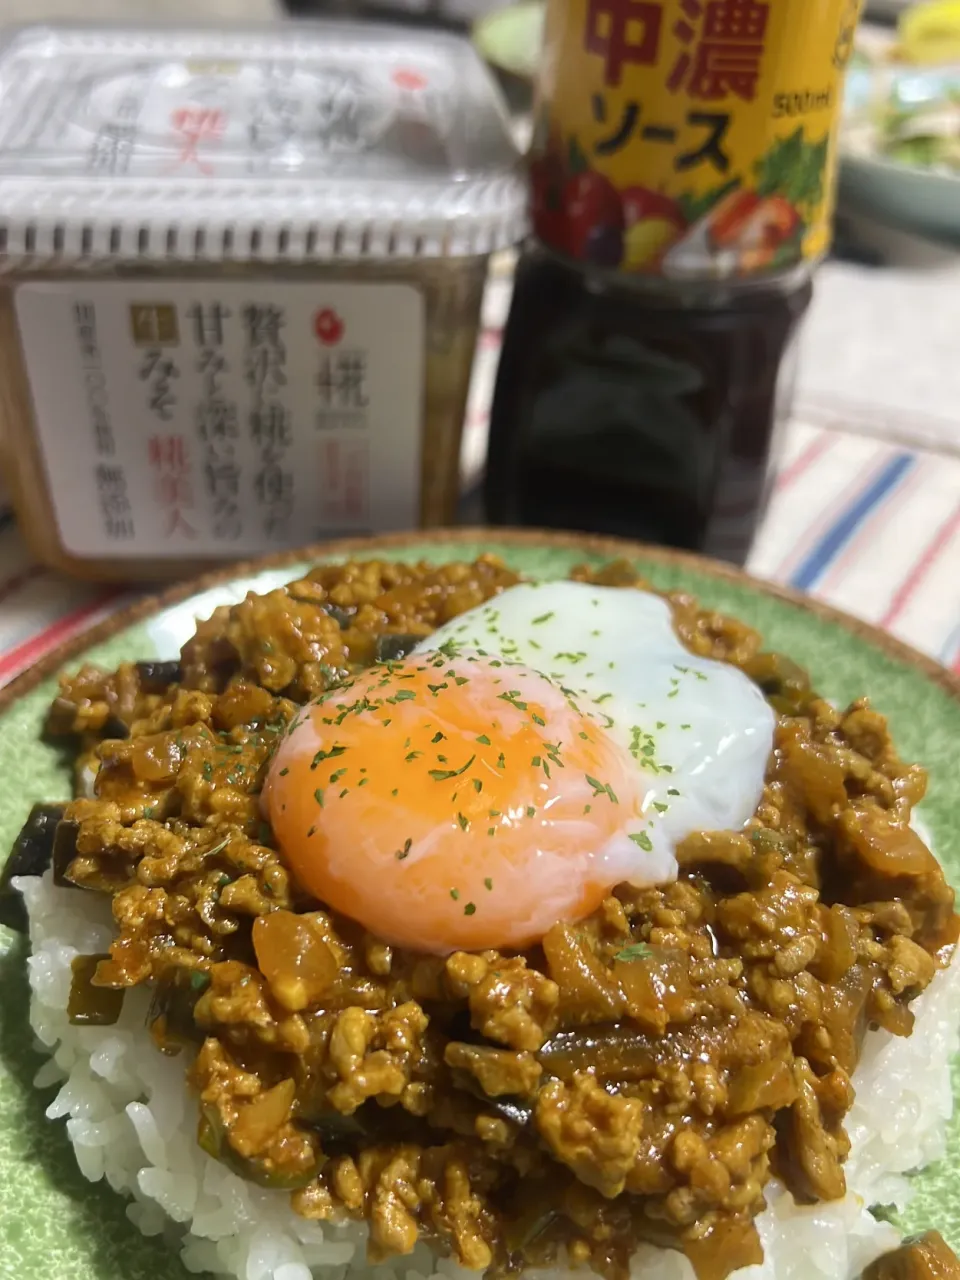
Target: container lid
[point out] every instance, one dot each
(320, 141)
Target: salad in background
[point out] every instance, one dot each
(908, 116)
(900, 148)
(924, 132)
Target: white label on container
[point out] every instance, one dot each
(197, 420)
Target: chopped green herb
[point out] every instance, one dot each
(402, 695)
(336, 776)
(395, 791)
(531, 811)
(483, 740)
(513, 697)
(644, 841)
(318, 796)
(437, 737)
(464, 822)
(441, 775)
(470, 909)
(412, 755)
(501, 761)
(544, 617)
(636, 951)
(477, 785)
(454, 894)
(660, 808)
(491, 831)
(402, 853)
(536, 720)
(487, 882)
(319, 758)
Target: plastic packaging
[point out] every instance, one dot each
(242, 276)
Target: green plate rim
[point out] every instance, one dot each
(612, 548)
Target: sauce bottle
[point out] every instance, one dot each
(683, 166)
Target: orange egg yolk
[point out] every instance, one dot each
(453, 803)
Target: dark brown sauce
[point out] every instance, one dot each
(626, 412)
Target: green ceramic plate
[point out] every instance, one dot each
(55, 1225)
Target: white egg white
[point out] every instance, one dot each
(699, 731)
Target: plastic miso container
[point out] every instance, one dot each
(241, 283)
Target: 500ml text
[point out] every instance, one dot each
(802, 103)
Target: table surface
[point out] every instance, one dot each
(866, 510)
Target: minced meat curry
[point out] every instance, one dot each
(637, 1077)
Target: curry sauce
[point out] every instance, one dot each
(638, 1076)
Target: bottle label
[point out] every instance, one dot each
(200, 420)
(691, 139)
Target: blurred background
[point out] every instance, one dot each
(866, 507)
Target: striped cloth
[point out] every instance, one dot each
(872, 528)
(862, 522)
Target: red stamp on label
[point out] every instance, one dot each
(407, 78)
(328, 327)
(196, 125)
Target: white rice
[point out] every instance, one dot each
(133, 1124)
